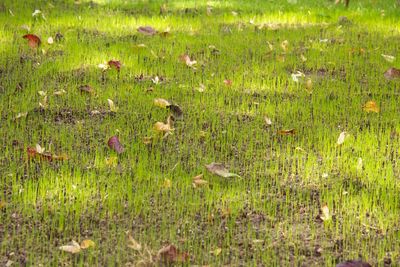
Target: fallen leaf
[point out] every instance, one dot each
(167, 183)
(176, 111)
(115, 144)
(33, 153)
(86, 88)
(33, 40)
(170, 254)
(166, 128)
(87, 243)
(354, 263)
(285, 45)
(388, 58)
(287, 132)
(201, 88)
(147, 30)
(114, 64)
(59, 92)
(342, 137)
(112, 106)
(220, 170)
(392, 73)
(21, 115)
(297, 75)
(216, 251)
(268, 121)
(147, 140)
(162, 103)
(133, 244)
(309, 85)
(228, 82)
(198, 181)
(186, 59)
(371, 106)
(112, 161)
(325, 214)
(72, 247)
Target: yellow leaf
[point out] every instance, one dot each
(309, 85)
(167, 183)
(133, 244)
(112, 106)
(216, 251)
(371, 106)
(285, 45)
(325, 213)
(87, 243)
(2, 204)
(112, 161)
(162, 103)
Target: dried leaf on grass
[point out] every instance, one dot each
(170, 254)
(36, 153)
(220, 170)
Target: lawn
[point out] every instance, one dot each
(225, 133)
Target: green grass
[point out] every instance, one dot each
(267, 218)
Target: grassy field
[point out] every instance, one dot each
(277, 95)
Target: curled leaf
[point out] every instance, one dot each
(198, 181)
(166, 128)
(133, 244)
(176, 111)
(112, 106)
(341, 138)
(162, 103)
(220, 170)
(147, 30)
(87, 243)
(371, 106)
(325, 214)
(170, 254)
(287, 132)
(33, 40)
(86, 89)
(115, 144)
(186, 59)
(114, 64)
(38, 153)
(72, 247)
(228, 82)
(392, 73)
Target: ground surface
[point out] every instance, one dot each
(240, 102)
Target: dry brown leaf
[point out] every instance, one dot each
(392, 73)
(133, 244)
(198, 181)
(186, 59)
(170, 254)
(287, 132)
(220, 170)
(72, 247)
(147, 30)
(371, 106)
